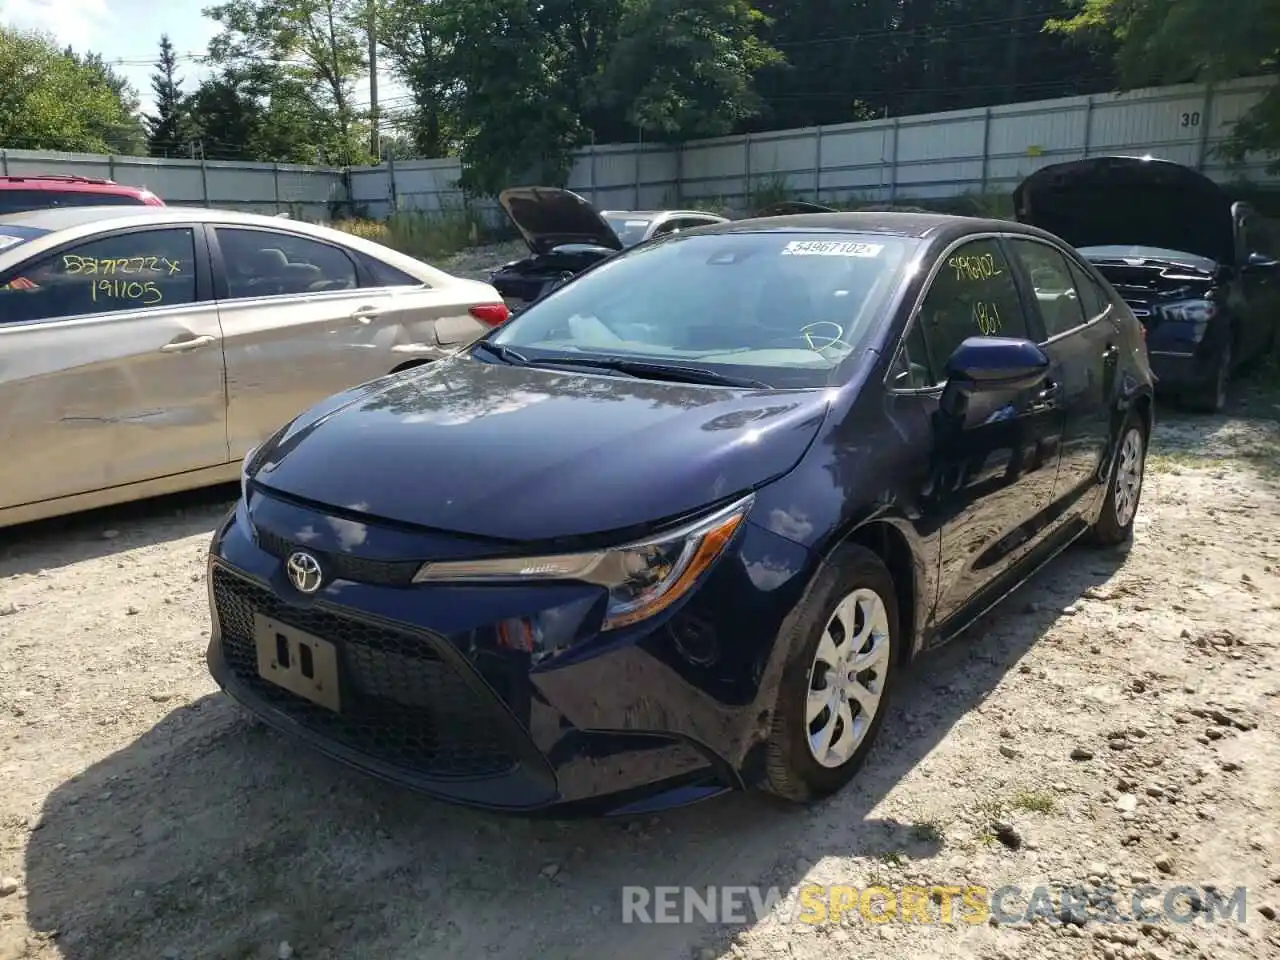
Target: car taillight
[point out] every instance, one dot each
(493, 314)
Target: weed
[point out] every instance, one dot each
(927, 831)
(1033, 801)
(426, 235)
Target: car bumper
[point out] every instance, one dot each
(1176, 370)
(432, 700)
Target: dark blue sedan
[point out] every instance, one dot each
(675, 529)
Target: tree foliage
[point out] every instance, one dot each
(316, 50)
(54, 99)
(168, 132)
(1179, 41)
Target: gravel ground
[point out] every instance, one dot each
(1113, 723)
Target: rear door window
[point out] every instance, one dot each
(265, 263)
(1053, 284)
(127, 271)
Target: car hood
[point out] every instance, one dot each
(548, 217)
(532, 454)
(1107, 201)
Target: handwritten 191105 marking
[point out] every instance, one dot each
(144, 290)
(129, 266)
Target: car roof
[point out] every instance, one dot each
(887, 222)
(79, 221)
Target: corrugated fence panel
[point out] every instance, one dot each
(895, 159)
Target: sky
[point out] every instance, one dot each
(127, 34)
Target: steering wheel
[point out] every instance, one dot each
(809, 335)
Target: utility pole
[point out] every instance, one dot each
(375, 142)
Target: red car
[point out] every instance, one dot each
(41, 191)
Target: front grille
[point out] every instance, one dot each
(401, 703)
(342, 567)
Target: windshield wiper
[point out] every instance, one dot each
(503, 352)
(647, 369)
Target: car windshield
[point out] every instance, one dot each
(630, 230)
(784, 308)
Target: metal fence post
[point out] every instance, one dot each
(392, 188)
(111, 167)
(679, 197)
(275, 181)
(986, 146)
(591, 173)
(746, 169)
(1202, 151)
(817, 165)
(204, 181)
(1088, 124)
(893, 165)
(639, 151)
(4, 163)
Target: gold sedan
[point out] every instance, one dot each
(146, 350)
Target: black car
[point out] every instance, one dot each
(566, 234)
(1199, 272)
(628, 551)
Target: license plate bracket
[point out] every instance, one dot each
(297, 661)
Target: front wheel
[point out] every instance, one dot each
(835, 686)
(1124, 487)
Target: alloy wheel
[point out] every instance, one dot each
(847, 677)
(1128, 482)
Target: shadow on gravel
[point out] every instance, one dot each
(211, 837)
(60, 541)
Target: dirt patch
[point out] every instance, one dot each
(1113, 724)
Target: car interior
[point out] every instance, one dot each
(262, 265)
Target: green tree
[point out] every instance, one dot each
(413, 38)
(686, 68)
(318, 48)
(1178, 41)
(53, 100)
(252, 113)
(124, 130)
(168, 132)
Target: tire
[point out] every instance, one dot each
(1212, 398)
(1124, 486)
(846, 589)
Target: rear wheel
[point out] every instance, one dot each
(835, 687)
(1124, 487)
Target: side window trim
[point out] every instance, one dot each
(1086, 271)
(218, 260)
(203, 277)
(896, 355)
(1036, 324)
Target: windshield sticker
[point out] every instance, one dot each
(635, 224)
(831, 248)
(6, 242)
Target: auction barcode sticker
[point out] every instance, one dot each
(831, 248)
(6, 242)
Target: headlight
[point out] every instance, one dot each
(642, 578)
(1199, 312)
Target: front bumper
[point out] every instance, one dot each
(433, 701)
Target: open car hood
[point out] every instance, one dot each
(549, 217)
(788, 208)
(1114, 201)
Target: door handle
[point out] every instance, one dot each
(364, 314)
(192, 343)
(1047, 397)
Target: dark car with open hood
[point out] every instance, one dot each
(677, 527)
(566, 235)
(1199, 272)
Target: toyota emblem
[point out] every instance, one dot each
(304, 572)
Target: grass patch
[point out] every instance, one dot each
(1264, 459)
(423, 234)
(893, 858)
(1034, 801)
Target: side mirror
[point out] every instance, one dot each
(985, 364)
(1260, 261)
